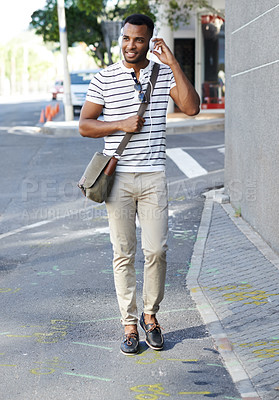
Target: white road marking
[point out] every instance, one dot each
(221, 150)
(22, 130)
(44, 222)
(187, 164)
(68, 236)
(24, 228)
(214, 146)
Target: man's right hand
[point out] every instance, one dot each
(90, 126)
(132, 124)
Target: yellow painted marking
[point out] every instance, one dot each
(157, 390)
(54, 321)
(7, 365)
(240, 293)
(145, 358)
(42, 337)
(19, 335)
(5, 290)
(8, 290)
(267, 353)
(37, 371)
(195, 290)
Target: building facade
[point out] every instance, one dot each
(200, 49)
(252, 140)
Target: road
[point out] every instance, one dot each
(60, 329)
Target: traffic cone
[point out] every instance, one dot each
(48, 113)
(42, 117)
(57, 108)
(52, 112)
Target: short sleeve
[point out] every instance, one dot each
(172, 81)
(95, 90)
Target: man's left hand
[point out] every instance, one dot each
(162, 51)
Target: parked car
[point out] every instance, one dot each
(57, 89)
(79, 84)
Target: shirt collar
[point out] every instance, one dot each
(142, 71)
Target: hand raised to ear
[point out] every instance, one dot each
(162, 51)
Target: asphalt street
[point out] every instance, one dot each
(60, 325)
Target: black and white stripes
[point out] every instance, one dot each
(114, 89)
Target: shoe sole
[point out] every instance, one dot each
(129, 354)
(152, 347)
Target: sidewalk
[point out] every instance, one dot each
(176, 123)
(234, 279)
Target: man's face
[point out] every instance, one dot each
(135, 43)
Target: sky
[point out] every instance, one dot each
(15, 16)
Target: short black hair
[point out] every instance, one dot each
(140, 19)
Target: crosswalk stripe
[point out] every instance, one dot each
(187, 164)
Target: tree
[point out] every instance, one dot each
(180, 11)
(85, 17)
(81, 27)
(176, 11)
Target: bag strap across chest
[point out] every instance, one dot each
(142, 108)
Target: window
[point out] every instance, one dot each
(213, 87)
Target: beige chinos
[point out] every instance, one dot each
(145, 195)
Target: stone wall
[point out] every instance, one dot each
(252, 113)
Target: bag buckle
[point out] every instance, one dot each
(80, 185)
(116, 155)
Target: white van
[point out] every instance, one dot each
(79, 84)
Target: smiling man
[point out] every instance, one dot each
(140, 187)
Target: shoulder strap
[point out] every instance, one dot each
(142, 107)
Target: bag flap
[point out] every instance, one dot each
(93, 169)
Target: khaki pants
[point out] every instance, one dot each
(145, 195)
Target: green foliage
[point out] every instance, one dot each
(84, 19)
(122, 9)
(90, 6)
(37, 66)
(179, 12)
(24, 60)
(238, 212)
(45, 22)
(80, 26)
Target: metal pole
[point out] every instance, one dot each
(69, 115)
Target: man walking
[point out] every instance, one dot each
(140, 187)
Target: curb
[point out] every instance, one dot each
(63, 128)
(192, 126)
(205, 308)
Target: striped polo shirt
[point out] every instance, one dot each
(113, 88)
